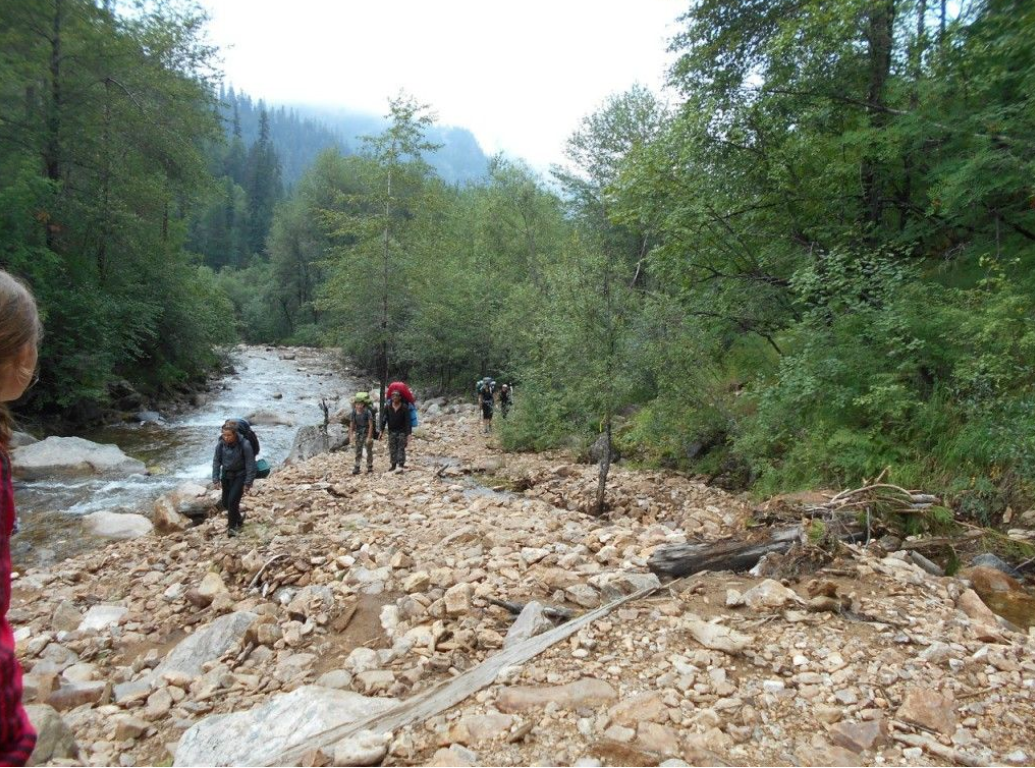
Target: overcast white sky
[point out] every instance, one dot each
(520, 75)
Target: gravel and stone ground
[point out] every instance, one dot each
(378, 586)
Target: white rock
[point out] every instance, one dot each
(768, 595)
(365, 748)
(584, 595)
(717, 637)
(362, 660)
(258, 736)
(101, 617)
(72, 456)
(530, 622)
(338, 679)
(207, 644)
(211, 585)
(116, 525)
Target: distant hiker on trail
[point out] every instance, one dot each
(233, 470)
(485, 397)
(397, 422)
(361, 429)
(19, 337)
(506, 399)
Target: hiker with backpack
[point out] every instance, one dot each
(361, 429)
(485, 397)
(233, 471)
(397, 421)
(479, 384)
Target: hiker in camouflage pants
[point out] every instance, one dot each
(361, 430)
(396, 422)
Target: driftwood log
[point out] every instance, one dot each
(686, 559)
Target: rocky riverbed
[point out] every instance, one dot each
(350, 594)
(67, 488)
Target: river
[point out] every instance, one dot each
(288, 383)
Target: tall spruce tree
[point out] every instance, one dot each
(262, 183)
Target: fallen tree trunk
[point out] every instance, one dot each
(686, 559)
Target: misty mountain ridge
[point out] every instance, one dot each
(300, 132)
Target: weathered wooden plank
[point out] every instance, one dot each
(451, 692)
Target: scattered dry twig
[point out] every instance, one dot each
(271, 561)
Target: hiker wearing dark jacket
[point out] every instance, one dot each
(485, 396)
(396, 421)
(233, 470)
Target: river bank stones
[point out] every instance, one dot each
(72, 456)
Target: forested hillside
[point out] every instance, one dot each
(103, 124)
(297, 138)
(458, 160)
(300, 133)
(128, 175)
(813, 267)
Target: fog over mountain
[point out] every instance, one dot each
(300, 132)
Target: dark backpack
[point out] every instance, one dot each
(248, 433)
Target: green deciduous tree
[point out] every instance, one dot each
(376, 230)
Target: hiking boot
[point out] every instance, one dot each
(391, 468)
(370, 470)
(355, 470)
(233, 533)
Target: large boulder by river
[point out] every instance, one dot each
(259, 735)
(312, 441)
(57, 456)
(269, 418)
(188, 504)
(118, 525)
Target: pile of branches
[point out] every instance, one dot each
(821, 520)
(883, 498)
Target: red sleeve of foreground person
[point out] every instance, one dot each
(17, 737)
